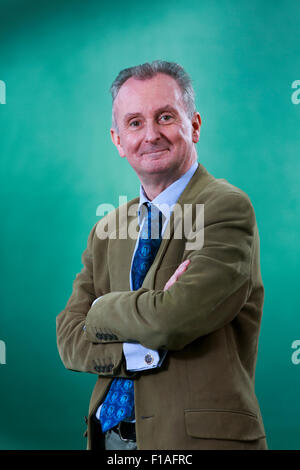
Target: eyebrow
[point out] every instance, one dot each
(168, 107)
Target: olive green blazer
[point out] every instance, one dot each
(203, 395)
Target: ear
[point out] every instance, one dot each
(116, 141)
(196, 124)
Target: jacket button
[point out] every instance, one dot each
(148, 359)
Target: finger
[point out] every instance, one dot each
(184, 264)
(168, 284)
(182, 267)
(180, 270)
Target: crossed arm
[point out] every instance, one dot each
(75, 351)
(195, 302)
(136, 355)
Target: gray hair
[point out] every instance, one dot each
(149, 70)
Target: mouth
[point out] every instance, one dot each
(155, 153)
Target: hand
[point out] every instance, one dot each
(180, 270)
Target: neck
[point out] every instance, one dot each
(155, 184)
(153, 189)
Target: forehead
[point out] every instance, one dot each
(143, 96)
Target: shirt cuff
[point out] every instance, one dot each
(140, 358)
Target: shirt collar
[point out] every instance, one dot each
(169, 196)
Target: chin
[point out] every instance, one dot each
(157, 167)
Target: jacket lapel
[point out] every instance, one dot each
(198, 182)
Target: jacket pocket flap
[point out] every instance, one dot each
(223, 424)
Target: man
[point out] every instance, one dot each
(171, 329)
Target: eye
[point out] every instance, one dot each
(167, 116)
(133, 123)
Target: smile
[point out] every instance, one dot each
(156, 152)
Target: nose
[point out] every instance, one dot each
(152, 132)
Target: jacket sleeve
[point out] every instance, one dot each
(75, 351)
(209, 294)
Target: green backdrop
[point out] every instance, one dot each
(57, 60)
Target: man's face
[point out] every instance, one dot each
(155, 133)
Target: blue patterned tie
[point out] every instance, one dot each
(119, 402)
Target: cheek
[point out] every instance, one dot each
(183, 138)
(129, 144)
(133, 141)
(174, 134)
